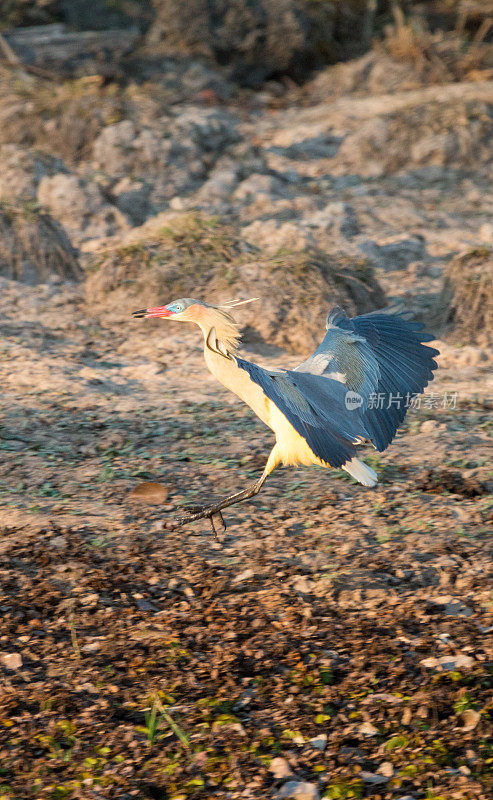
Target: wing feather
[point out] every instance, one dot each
(315, 407)
(406, 367)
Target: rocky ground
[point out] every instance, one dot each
(335, 641)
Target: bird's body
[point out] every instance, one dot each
(323, 410)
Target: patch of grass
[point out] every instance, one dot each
(344, 790)
(154, 717)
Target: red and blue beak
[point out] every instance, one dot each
(149, 313)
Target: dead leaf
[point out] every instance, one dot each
(470, 718)
(149, 492)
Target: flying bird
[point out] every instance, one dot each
(356, 388)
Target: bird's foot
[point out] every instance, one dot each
(193, 513)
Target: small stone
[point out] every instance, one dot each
(372, 777)
(456, 662)
(319, 742)
(280, 768)
(243, 576)
(299, 790)
(59, 542)
(429, 426)
(406, 716)
(464, 770)
(429, 663)
(91, 647)
(368, 729)
(448, 663)
(303, 586)
(386, 769)
(12, 660)
(456, 608)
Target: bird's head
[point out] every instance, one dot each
(206, 316)
(186, 309)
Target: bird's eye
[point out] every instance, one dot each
(178, 307)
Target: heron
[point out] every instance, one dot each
(354, 389)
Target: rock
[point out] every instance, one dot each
(169, 155)
(456, 662)
(434, 134)
(303, 585)
(386, 769)
(111, 440)
(243, 576)
(132, 198)
(58, 542)
(372, 778)
(273, 235)
(258, 184)
(448, 663)
(110, 147)
(210, 130)
(338, 218)
(219, 186)
(280, 768)
(379, 697)
(21, 170)
(80, 207)
(319, 742)
(299, 790)
(11, 661)
(457, 609)
(362, 150)
(367, 729)
(395, 255)
(91, 647)
(451, 605)
(430, 426)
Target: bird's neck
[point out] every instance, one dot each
(220, 331)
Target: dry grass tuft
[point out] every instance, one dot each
(466, 300)
(69, 116)
(439, 56)
(33, 247)
(195, 256)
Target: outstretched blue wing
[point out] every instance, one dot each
(315, 407)
(380, 355)
(406, 367)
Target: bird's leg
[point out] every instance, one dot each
(209, 512)
(193, 513)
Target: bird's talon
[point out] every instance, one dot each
(189, 509)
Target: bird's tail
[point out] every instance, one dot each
(361, 472)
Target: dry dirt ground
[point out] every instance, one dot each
(335, 636)
(335, 641)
